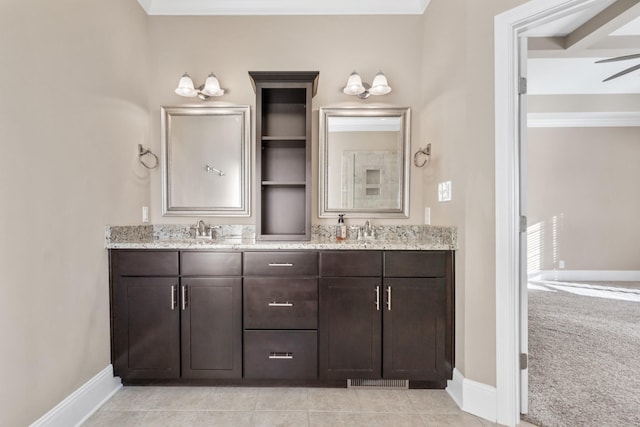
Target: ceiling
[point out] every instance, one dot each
(284, 7)
(563, 53)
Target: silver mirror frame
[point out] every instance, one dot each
(404, 113)
(244, 209)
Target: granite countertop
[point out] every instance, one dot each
(231, 237)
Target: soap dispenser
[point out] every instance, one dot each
(341, 228)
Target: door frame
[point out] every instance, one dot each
(508, 27)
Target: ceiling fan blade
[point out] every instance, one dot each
(622, 73)
(619, 58)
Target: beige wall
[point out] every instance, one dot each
(72, 111)
(457, 117)
(333, 45)
(81, 88)
(583, 198)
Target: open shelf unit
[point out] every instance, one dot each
(283, 153)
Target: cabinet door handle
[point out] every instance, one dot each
(280, 264)
(184, 297)
(377, 298)
(173, 297)
(389, 297)
(276, 355)
(281, 304)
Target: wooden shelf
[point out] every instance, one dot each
(284, 183)
(283, 153)
(284, 138)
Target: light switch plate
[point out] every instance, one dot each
(145, 214)
(444, 191)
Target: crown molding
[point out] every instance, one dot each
(583, 120)
(283, 7)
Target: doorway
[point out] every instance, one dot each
(509, 26)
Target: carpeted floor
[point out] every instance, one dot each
(584, 354)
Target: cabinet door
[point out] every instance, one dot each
(350, 328)
(414, 328)
(148, 335)
(211, 327)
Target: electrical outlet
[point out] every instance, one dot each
(444, 191)
(145, 214)
(427, 216)
(560, 264)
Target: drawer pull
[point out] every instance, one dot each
(377, 298)
(280, 264)
(281, 304)
(276, 355)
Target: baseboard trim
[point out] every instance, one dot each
(473, 397)
(591, 275)
(82, 403)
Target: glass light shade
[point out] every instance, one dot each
(212, 86)
(380, 85)
(185, 87)
(354, 85)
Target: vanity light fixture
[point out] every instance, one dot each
(356, 87)
(211, 87)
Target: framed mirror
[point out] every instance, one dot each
(206, 159)
(364, 162)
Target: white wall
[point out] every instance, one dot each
(72, 111)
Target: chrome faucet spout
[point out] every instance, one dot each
(201, 228)
(367, 230)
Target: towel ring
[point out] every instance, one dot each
(426, 151)
(145, 152)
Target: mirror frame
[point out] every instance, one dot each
(245, 158)
(405, 116)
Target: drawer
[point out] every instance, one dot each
(276, 303)
(281, 354)
(415, 264)
(280, 263)
(144, 262)
(351, 263)
(211, 263)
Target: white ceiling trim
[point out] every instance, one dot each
(284, 7)
(583, 120)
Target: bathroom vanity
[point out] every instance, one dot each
(312, 313)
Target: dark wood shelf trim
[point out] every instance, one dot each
(284, 138)
(284, 183)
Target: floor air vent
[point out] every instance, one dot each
(378, 384)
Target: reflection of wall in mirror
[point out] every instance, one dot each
(196, 142)
(350, 155)
(369, 179)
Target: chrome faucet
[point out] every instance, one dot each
(202, 230)
(367, 231)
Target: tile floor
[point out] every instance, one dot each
(242, 406)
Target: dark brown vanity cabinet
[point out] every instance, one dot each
(283, 153)
(386, 315)
(350, 314)
(415, 323)
(176, 314)
(300, 316)
(281, 315)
